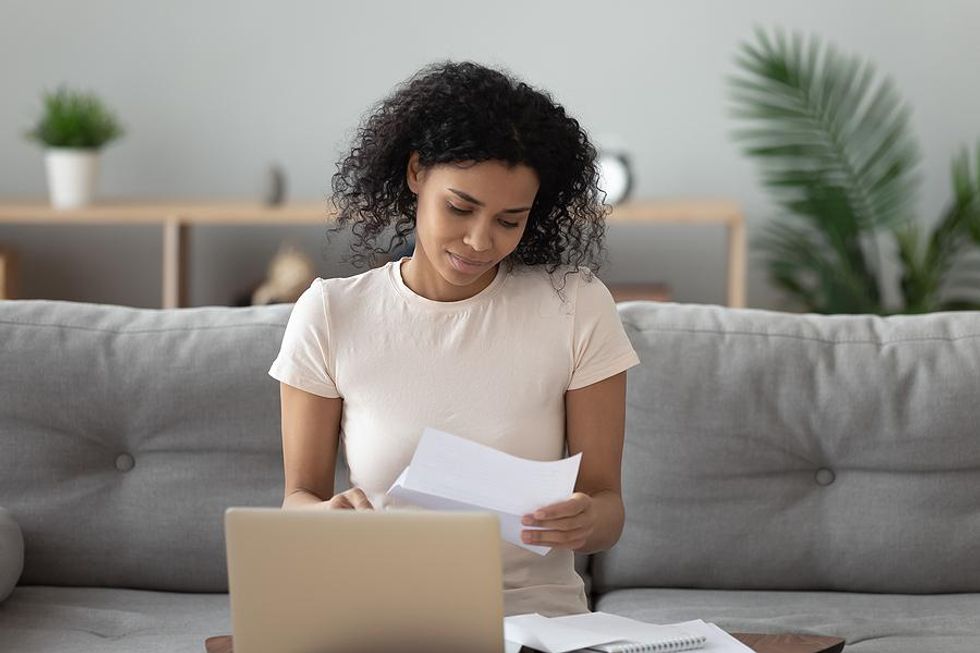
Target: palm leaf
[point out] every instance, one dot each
(917, 284)
(834, 148)
(939, 267)
(821, 114)
(957, 230)
(804, 264)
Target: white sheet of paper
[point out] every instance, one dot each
(448, 472)
(572, 632)
(538, 632)
(617, 627)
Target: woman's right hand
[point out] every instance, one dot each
(352, 499)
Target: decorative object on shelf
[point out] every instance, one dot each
(835, 150)
(275, 186)
(74, 127)
(290, 273)
(615, 175)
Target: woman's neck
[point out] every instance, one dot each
(424, 280)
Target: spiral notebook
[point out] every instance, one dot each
(599, 631)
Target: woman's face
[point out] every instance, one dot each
(470, 217)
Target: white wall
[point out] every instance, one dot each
(212, 92)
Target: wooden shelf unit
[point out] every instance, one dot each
(8, 274)
(176, 219)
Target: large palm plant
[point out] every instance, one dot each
(835, 150)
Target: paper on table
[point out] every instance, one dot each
(617, 628)
(719, 641)
(448, 472)
(541, 633)
(573, 632)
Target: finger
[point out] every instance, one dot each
(360, 500)
(340, 502)
(565, 539)
(554, 537)
(562, 524)
(567, 508)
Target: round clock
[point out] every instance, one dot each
(615, 176)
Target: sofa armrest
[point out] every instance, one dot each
(11, 553)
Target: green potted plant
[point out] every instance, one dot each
(836, 153)
(73, 127)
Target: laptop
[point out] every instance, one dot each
(311, 581)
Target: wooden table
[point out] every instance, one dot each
(176, 219)
(756, 641)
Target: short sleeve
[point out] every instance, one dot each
(305, 359)
(600, 346)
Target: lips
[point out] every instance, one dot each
(470, 261)
(464, 266)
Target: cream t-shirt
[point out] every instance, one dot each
(492, 368)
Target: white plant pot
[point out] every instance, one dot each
(72, 176)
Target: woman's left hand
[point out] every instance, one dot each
(568, 524)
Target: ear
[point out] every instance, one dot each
(413, 173)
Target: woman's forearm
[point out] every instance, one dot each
(610, 514)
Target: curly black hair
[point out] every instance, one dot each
(453, 112)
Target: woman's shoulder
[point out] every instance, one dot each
(361, 282)
(564, 275)
(563, 285)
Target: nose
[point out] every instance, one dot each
(478, 237)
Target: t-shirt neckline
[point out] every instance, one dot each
(395, 277)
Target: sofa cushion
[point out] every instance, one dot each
(870, 623)
(769, 450)
(11, 553)
(127, 432)
(82, 619)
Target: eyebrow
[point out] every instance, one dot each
(470, 198)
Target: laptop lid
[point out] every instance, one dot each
(319, 581)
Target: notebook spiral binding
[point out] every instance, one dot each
(684, 644)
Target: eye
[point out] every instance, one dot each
(455, 209)
(510, 225)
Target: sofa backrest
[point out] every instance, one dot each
(778, 451)
(125, 433)
(764, 450)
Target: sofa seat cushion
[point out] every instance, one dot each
(870, 623)
(81, 619)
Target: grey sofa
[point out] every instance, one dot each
(782, 473)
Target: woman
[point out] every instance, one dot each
(494, 329)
